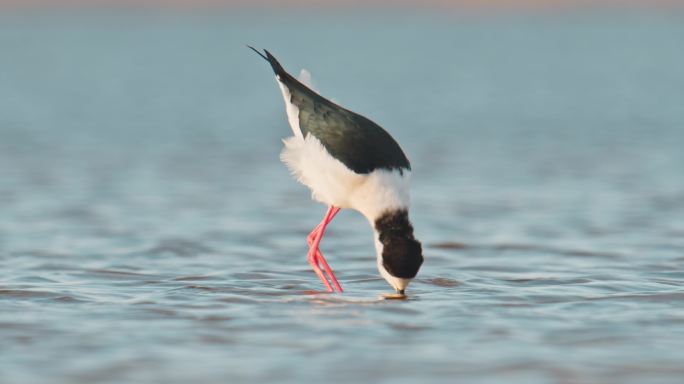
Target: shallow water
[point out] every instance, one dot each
(148, 232)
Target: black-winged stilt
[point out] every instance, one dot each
(348, 161)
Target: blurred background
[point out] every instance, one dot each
(149, 233)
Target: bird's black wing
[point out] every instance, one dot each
(356, 141)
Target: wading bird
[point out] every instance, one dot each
(348, 161)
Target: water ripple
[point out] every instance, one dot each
(148, 232)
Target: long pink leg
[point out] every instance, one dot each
(319, 258)
(331, 214)
(312, 256)
(315, 238)
(313, 260)
(315, 256)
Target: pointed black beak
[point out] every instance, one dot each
(400, 291)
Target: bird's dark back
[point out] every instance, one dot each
(359, 143)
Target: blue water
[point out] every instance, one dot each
(148, 232)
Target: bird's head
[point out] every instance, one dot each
(400, 255)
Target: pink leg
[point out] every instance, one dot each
(312, 257)
(318, 257)
(315, 256)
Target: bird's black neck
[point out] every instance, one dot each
(401, 252)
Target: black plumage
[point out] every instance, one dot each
(402, 254)
(356, 141)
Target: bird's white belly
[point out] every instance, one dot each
(332, 183)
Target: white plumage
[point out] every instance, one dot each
(330, 181)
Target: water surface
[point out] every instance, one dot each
(148, 232)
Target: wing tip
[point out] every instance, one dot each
(277, 68)
(257, 52)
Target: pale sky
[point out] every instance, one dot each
(477, 4)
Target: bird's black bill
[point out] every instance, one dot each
(394, 296)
